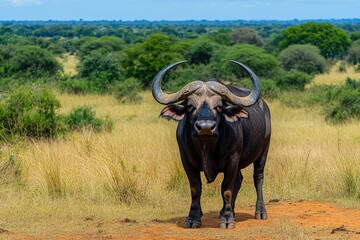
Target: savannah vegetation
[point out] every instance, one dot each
(80, 137)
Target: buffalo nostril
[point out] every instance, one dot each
(205, 125)
(198, 126)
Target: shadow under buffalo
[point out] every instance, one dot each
(209, 219)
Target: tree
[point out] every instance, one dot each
(101, 69)
(33, 62)
(201, 51)
(355, 36)
(222, 36)
(104, 44)
(246, 36)
(263, 64)
(331, 41)
(144, 60)
(305, 58)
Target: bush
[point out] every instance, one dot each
(33, 62)
(200, 52)
(293, 80)
(144, 60)
(342, 67)
(106, 44)
(246, 35)
(340, 103)
(29, 112)
(74, 86)
(353, 56)
(128, 91)
(263, 64)
(85, 117)
(101, 70)
(346, 104)
(269, 89)
(305, 58)
(357, 68)
(180, 76)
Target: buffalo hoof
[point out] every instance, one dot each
(228, 225)
(222, 225)
(262, 215)
(227, 222)
(191, 223)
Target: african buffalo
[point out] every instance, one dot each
(221, 128)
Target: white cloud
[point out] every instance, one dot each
(20, 3)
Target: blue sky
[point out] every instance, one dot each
(178, 9)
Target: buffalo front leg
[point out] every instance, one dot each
(229, 189)
(237, 186)
(194, 218)
(259, 165)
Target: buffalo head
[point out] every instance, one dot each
(205, 103)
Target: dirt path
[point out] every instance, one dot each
(287, 220)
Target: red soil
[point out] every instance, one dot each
(286, 220)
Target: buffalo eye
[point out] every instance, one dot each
(219, 108)
(190, 108)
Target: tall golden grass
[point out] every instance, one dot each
(135, 170)
(334, 76)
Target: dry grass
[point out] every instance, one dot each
(334, 76)
(134, 170)
(70, 63)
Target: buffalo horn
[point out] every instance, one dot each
(165, 98)
(230, 97)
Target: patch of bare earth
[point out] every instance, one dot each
(287, 220)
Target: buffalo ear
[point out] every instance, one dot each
(235, 113)
(174, 112)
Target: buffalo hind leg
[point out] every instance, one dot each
(194, 218)
(259, 165)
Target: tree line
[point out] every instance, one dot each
(123, 59)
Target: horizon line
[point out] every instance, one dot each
(187, 20)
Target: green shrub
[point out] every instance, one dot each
(144, 60)
(29, 112)
(305, 58)
(85, 117)
(353, 56)
(245, 35)
(346, 103)
(101, 70)
(128, 91)
(357, 68)
(200, 51)
(106, 44)
(262, 63)
(293, 80)
(33, 62)
(339, 103)
(342, 67)
(74, 85)
(269, 89)
(180, 76)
